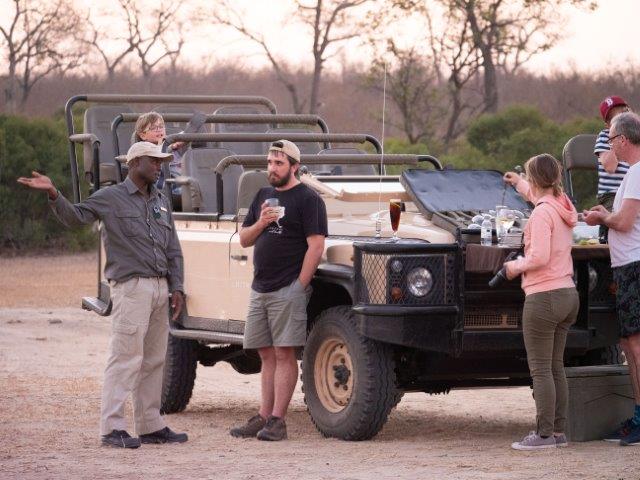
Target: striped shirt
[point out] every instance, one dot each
(608, 182)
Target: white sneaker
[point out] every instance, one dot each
(533, 441)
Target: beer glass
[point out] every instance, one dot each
(395, 207)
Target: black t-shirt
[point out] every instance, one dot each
(280, 249)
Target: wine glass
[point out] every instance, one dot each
(274, 204)
(504, 221)
(395, 207)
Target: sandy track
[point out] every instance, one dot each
(51, 361)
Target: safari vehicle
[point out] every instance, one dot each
(386, 317)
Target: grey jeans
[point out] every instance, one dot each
(546, 319)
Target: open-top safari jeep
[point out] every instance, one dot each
(385, 317)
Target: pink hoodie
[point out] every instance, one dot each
(548, 237)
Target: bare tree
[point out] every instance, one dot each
(331, 25)
(453, 53)
(507, 34)
(38, 41)
(99, 40)
(413, 89)
(429, 81)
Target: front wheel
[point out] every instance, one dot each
(348, 380)
(179, 374)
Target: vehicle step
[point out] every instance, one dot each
(96, 305)
(214, 337)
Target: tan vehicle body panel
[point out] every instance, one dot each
(219, 272)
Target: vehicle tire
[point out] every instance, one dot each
(348, 380)
(179, 374)
(610, 355)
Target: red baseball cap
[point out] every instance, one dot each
(608, 103)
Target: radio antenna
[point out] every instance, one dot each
(384, 104)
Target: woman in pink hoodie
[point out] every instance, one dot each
(551, 302)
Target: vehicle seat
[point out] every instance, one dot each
(577, 154)
(248, 186)
(242, 148)
(97, 120)
(199, 191)
(348, 169)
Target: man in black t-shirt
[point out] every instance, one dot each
(288, 235)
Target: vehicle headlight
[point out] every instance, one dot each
(419, 281)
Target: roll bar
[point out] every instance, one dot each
(272, 137)
(127, 98)
(257, 161)
(94, 142)
(272, 119)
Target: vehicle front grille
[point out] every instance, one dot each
(483, 318)
(382, 277)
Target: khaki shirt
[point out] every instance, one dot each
(139, 236)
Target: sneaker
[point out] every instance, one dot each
(561, 440)
(275, 429)
(619, 433)
(166, 435)
(632, 438)
(249, 429)
(120, 439)
(533, 441)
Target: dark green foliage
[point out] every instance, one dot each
(25, 218)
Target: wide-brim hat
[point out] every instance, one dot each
(147, 149)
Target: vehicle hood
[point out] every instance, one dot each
(459, 190)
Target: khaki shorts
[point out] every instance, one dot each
(277, 319)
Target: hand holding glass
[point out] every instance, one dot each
(274, 205)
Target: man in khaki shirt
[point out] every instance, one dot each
(143, 264)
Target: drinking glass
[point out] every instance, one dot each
(505, 218)
(274, 204)
(395, 207)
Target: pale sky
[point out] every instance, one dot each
(593, 41)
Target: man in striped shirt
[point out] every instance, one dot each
(610, 170)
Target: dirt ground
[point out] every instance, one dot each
(51, 359)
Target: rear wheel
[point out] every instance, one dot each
(179, 374)
(348, 380)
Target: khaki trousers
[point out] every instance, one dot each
(140, 326)
(546, 318)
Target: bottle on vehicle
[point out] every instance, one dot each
(485, 232)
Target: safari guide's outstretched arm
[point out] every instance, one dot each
(68, 214)
(315, 247)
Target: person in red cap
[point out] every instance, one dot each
(610, 170)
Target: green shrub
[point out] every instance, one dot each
(25, 218)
